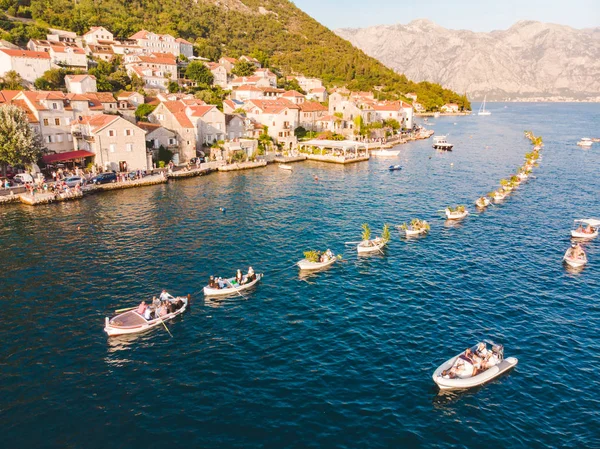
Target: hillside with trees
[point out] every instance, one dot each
(275, 32)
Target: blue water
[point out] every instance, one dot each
(342, 358)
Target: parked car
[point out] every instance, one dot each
(72, 181)
(104, 178)
(22, 178)
(195, 159)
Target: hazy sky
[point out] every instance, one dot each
(476, 15)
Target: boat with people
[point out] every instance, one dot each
(385, 152)
(522, 176)
(456, 213)
(368, 245)
(218, 286)
(482, 202)
(473, 367)
(394, 167)
(315, 260)
(482, 110)
(585, 142)
(499, 195)
(286, 167)
(440, 143)
(589, 232)
(416, 227)
(146, 316)
(575, 256)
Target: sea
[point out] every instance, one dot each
(341, 358)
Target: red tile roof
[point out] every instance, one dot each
(79, 78)
(312, 106)
(25, 53)
(292, 94)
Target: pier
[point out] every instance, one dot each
(335, 151)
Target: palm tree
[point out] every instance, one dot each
(366, 234)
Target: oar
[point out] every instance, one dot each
(236, 290)
(163, 323)
(125, 310)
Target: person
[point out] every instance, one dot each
(148, 313)
(251, 276)
(164, 296)
(162, 310)
(211, 282)
(577, 251)
(155, 302)
(580, 228)
(482, 350)
(142, 308)
(238, 277)
(220, 282)
(589, 229)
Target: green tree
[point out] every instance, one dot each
(52, 79)
(19, 145)
(173, 87)
(392, 123)
(12, 81)
(264, 141)
(244, 68)
(143, 110)
(198, 72)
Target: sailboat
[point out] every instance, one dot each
(482, 110)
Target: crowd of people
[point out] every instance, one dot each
(159, 307)
(240, 279)
(470, 363)
(588, 230)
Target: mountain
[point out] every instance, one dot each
(276, 32)
(530, 59)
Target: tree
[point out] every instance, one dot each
(244, 68)
(391, 123)
(173, 87)
(143, 110)
(19, 145)
(198, 72)
(264, 140)
(52, 79)
(12, 81)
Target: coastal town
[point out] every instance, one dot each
(161, 124)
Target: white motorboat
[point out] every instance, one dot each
(385, 153)
(371, 246)
(456, 214)
(307, 265)
(482, 202)
(585, 142)
(440, 143)
(460, 380)
(131, 322)
(482, 110)
(232, 287)
(591, 232)
(286, 167)
(573, 259)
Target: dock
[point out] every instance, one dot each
(242, 166)
(145, 181)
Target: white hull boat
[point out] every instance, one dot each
(482, 202)
(472, 381)
(286, 167)
(522, 176)
(385, 153)
(482, 110)
(581, 234)
(575, 262)
(370, 246)
(456, 215)
(415, 232)
(232, 289)
(584, 235)
(585, 142)
(307, 265)
(131, 322)
(499, 196)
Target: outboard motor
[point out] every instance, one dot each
(499, 351)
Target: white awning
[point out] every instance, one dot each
(589, 221)
(342, 144)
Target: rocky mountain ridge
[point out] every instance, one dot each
(528, 60)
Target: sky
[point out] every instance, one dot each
(475, 15)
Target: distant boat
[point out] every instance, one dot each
(286, 167)
(440, 143)
(395, 167)
(385, 152)
(585, 142)
(482, 110)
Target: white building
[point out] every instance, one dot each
(81, 84)
(98, 36)
(163, 43)
(29, 64)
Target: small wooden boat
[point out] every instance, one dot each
(575, 261)
(499, 196)
(395, 167)
(371, 246)
(286, 167)
(131, 322)
(522, 176)
(581, 233)
(307, 265)
(482, 202)
(385, 153)
(232, 287)
(460, 381)
(415, 228)
(456, 214)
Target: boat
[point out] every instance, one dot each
(443, 378)
(580, 233)
(595, 139)
(307, 265)
(482, 202)
(440, 143)
(522, 176)
(286, 167)
(499, 196)
(416, 227)
(585, 142)
(233, 288)
(385, 153)
(457, 214)
(482, 110)
(131, 322)
(573, 259)
(371, 246)
(394, 167)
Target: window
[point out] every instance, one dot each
(172, 141)
(69, 138)
(46, 122)
(57, 121)
(59, 137)
(128, 132)
(54, 106)
(48, 139)
(67, 120)
(113, 147)
(111, 133)
(129, 147)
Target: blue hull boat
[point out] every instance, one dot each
(395, 167)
